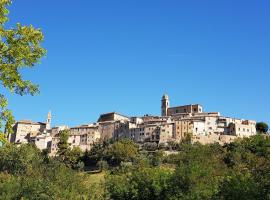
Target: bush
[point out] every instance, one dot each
(262, 127)
(102, 165)
(24, 174)
(140, 183)
(150, 146)
(122, 151)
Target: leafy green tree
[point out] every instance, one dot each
(19, 48)
(3, 140)
(150, 146)
(97, 153)
(19, 160)
(25, 175)
(122, 151)
(72, 158)
(238, 186)
(156, 158)
(63, 145)
(262, 127)
(199, 172)
(248, 160)
(139, 183)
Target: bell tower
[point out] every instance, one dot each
(49, 119)
(165, 105)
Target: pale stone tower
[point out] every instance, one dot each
(165, 105)
(49, 119)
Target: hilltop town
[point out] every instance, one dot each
(174, 125)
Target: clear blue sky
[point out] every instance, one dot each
(123, 55)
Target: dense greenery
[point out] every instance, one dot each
(26, 173)
(71, 157)
(240, 170)
(262, 127)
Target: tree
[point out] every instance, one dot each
(72, 158)
(25, 175)
(19, 48)
(3, 140)
(123, 151)
(140, 183)
(261, 127)
(63, 145)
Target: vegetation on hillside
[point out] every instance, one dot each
(123, 170)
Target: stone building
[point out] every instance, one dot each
(242, 128)
(113, 116)
(166, 110)
(174, 124)
(87, 135)
(43, 141)
(25, 131)
(113, 125)
(83, 136)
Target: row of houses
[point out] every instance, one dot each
(174, 124)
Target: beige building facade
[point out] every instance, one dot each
(174, 124)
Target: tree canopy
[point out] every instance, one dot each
(262, 127)
(20, 47)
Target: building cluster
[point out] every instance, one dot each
(174, 125)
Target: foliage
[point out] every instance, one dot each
(139, 183)
(240, 170)
(97, 153)
(63, 145)
(3, 140)
(150, 146)
(19, 160)
(19, 48)
(173, 146)
(102, 165)
(71, 157)
(156, 158)
(262, 127)
(122, 151)
(25, 175)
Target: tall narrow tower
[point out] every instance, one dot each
(165, 105)
(49, 119)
